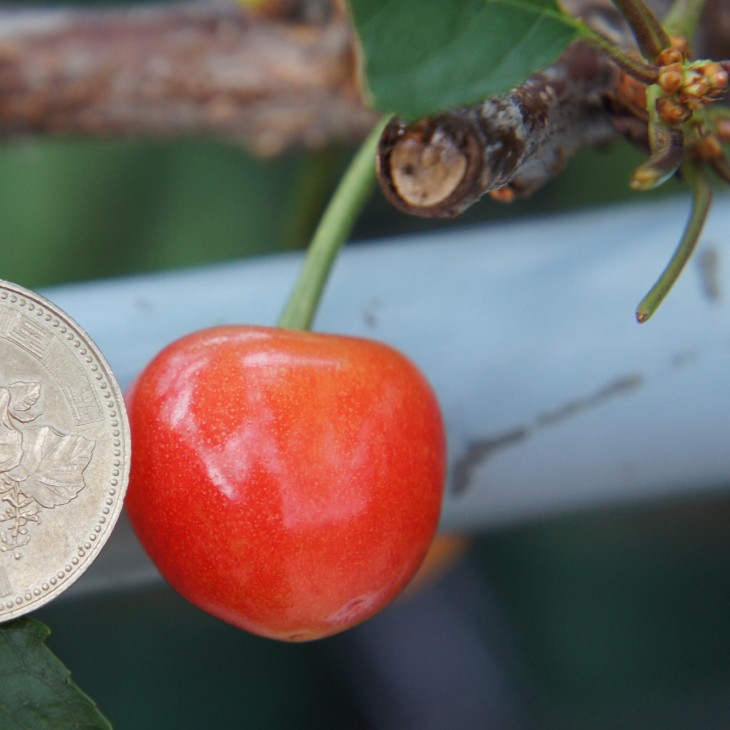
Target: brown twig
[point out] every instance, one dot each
(285, 77)
(511, 145)
(508, 145)
(271, 80)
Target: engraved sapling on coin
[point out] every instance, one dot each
(64, 451)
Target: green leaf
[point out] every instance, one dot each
(423, 56)
(36, 690)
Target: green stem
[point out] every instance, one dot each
(684, 17)
(334, 227)
(644, 72)
(648, 31)
(701, 201)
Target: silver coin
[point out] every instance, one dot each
(64, 451)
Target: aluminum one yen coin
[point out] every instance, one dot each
(64, 451)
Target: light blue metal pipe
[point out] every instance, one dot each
(555, 399)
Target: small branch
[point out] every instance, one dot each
(286, 77)
(509, 145)
(270, 80)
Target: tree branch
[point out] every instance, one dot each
(284, 77)
(509, 145)
(271, 80)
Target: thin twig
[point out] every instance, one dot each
(509, 145)
(650, 36)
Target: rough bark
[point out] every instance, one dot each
(270, 80)
(283, 77)
(509, 145)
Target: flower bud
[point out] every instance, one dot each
(716, 75)
(681, 44)
(672, 111)
(669, 56)
(695, 84)
(671, 78)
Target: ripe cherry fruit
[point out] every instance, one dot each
(287, 482)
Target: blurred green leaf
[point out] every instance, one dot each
(422, 56)
(71, 211)
(36, 690)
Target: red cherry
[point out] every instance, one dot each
(288, 482)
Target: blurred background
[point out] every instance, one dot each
(600, 620)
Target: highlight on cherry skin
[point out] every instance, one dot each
(287, 482)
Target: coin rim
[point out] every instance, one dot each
(35, 602)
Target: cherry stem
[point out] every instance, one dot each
(701, 201)
(334, 227)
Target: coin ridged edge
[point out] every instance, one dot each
(106, 384)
